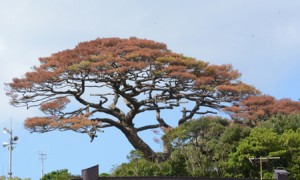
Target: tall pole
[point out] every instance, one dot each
(10, 149)
(260, 164)
(10, 145)
(42, 158)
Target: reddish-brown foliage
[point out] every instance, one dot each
(39, 123)
(259, 108)
(98, 74)
(54, 106)
(76, 123)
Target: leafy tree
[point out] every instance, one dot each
(200, 148)
(261, 142)
(280, 123)
(104, 175)
(58, 175)
(139, 166)
(291, 144)
(13, 178)
(206, 143)
(265, 142)
(228, 143)
(112, 81)
(255, 109)
(213, 147)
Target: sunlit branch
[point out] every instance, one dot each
(143, 128)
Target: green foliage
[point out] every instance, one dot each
(200, 148)
(259, 143)
(265, 142)
(280, 123)
(82, 65)
(104, 175)
(212, 147)
(57, 175)
(197, 131)
(175, 166)
(291, 143)
(13, 178)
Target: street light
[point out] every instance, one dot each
(5, 130)
(10, 145)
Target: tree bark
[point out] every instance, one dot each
(140, 145)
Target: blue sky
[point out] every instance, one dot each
(259, 38)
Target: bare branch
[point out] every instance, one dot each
(143, 128)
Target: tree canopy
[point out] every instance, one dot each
(13, 178)
(215, 147)
(255, 109)
(62, 174)
(109, 82)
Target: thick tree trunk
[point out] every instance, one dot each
(140, 145)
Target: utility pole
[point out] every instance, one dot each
(43, 157)
(261, 160)
(10, 145)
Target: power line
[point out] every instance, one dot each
(43, 157)
(261, 160)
